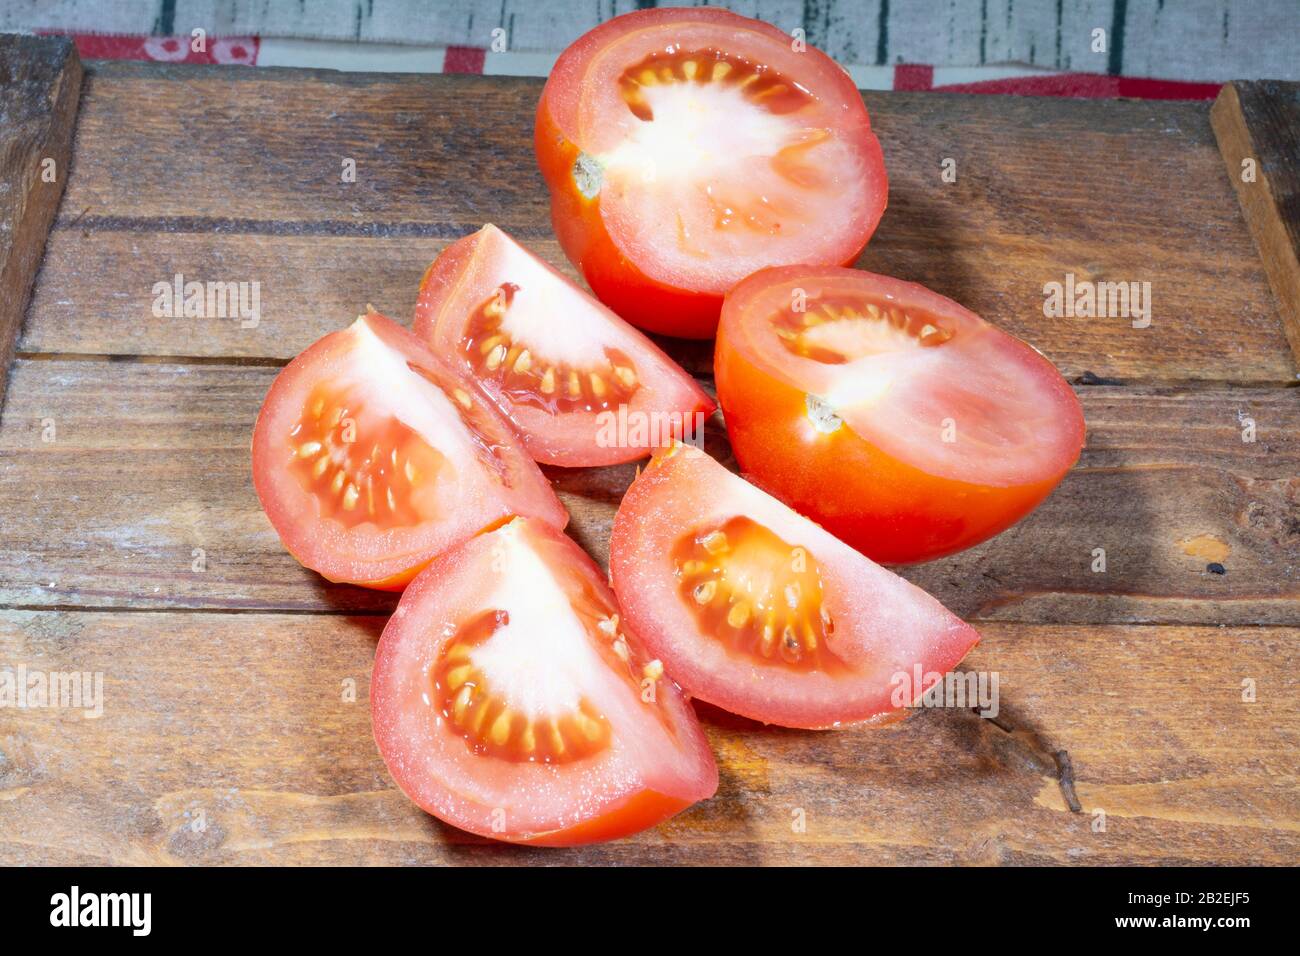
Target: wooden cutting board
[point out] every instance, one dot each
(235, 727)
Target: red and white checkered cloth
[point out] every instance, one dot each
(253, 51)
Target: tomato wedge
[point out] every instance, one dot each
(756, 609)
(509, 699)
(902, 422)
(565, 369)
(686, 148)
(370, 456)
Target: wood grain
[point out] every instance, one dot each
(1106, 191)
(234, 743)
(40, 81)
(124, 459)
(150, 461)
(1260, 122)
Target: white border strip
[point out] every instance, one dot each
(353, 57)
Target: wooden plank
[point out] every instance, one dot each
(1138, 195)
(112, 474)
(1259, 123)
(227, 738)
(308, 286)
(149, 461)
(432, 152)
(40, 82)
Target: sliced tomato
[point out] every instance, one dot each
(686, 148)
(581, 385)
(511, 700)
(370, 456)
(755, 609)
(902, 422)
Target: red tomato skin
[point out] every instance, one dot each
(639, 812)
(634, 812)
(891, 511)
(393, 574)
(559, 450)
(646, 302)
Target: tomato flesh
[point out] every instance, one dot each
(557, 362)
(685, 149)
(903, 423)
(370, 456)
(386, 483)
(466, 698)
(492, 351)
(511, 700)
(739, 583)
(757, 610)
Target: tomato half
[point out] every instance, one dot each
(686, 148)
(902, 422)
(511, 700)
(756, 609)
(370, 456)
(565, 369)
